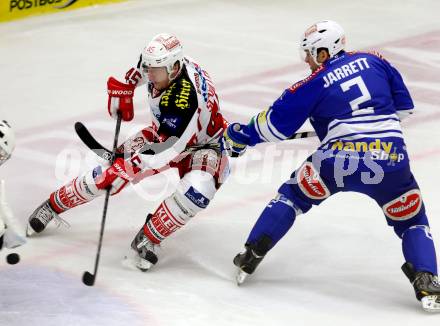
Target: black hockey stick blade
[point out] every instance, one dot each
(90, 141)
(305, 134)
(88, 278)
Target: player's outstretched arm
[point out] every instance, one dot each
(235, 139)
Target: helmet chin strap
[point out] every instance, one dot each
(175, 76)
(4, 156)
(315, 60)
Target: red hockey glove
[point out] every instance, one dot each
(120, 98)
(119, 174)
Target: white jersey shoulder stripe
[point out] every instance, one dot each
(374, 134)
(265, 129)
(362, 118)
(360, 127)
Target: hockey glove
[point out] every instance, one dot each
(119, 174)
(235, 139)
(10, 233)
(120, 98)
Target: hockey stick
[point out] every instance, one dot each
(304, 134)
(89, 278)
(90, 141)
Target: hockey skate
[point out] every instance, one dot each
(145, 256)
(426, 287)
(246, 261)
(41, 217)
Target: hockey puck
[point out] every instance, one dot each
(13, 258)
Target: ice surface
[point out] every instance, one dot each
(340, 265)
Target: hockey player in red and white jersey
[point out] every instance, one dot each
(184, 106)
(9, 235)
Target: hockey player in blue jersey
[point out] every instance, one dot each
(355, 102)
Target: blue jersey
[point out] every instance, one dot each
(353, 96)
(353, 103)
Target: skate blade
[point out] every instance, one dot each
(134, 262)
(29, 231)
(431, 303)
(241, 277)
(13, 240)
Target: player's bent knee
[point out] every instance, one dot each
(405, 211)
(422, 228)
(195, 191)
(285, 204)
(310, 183)
(305, 188)
(404, 207)
(293, 195)
(419, 221)
(192, 195)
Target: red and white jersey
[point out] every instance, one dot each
(187, 109)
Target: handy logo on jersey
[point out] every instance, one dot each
(405, 207)
(379, 150)
(310, 182)
(362, 146)
(394, 158)
(197, 198)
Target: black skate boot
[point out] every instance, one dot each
(426, 287)
(248, 260)
(41, 217)
(145, 250)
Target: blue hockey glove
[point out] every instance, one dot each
(235, 139)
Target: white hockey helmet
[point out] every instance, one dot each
(164, 50)
(325, 34)
(7, 141)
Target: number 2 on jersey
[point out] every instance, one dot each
(365, 95)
